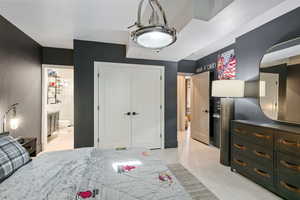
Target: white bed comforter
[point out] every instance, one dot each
(132, 174)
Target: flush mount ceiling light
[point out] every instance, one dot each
(156, 34)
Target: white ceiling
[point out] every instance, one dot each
(55, 23)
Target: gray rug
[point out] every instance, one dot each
(191, 184)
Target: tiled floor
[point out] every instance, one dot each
(63, 140)
(203, 162)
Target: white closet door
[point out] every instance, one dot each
(146, 102)
(114, 96)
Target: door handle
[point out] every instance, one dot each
(128, 113)
(135, 113)
(206, 111)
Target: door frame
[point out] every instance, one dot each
(44, 126)
(97, 66)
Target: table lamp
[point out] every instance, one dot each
(227, 90)
(14, 121)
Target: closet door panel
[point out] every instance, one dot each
(114, 96)
(145, 104)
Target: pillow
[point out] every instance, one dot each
(12, 156)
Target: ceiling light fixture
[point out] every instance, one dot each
(156, 34)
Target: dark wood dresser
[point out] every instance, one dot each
(268, 154)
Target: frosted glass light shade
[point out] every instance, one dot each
(14, 123)
(228, 88)
(155, 39)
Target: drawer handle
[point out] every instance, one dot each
(288, 143)
(261, 154)
(240, 147)
(237, 130)
(261, 173)
(262, 136)
(241, 163)
(290, 165)
(290, 187)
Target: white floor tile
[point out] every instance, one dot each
(63, 140)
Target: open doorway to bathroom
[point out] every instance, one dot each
(58, 108)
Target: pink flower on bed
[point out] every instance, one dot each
(85, 194)
(165, 177)
(128, 168)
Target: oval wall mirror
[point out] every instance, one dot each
(280, 82)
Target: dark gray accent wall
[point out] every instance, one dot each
(20, 79)
(57, 56)
(187, 66)
(250, 49)
(85, 54)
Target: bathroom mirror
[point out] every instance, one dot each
(280, 82)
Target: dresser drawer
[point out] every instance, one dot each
(288, 186)
(240, 146)
(240, 130)
(264, 175)
(288, 143)
(257, 153)
(254, 134)
(240, 163)
(262, 155)
(288, 164)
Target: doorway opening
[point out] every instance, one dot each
(184, 94)
(198, 113)
(57, 108)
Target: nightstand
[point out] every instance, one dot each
(29, 144)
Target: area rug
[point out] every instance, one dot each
(191, 184)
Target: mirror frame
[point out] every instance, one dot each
(281, 42)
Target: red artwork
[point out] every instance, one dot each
(226, 66)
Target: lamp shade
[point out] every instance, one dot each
(14, 123)
(228, 88)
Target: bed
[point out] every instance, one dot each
(90, 173)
